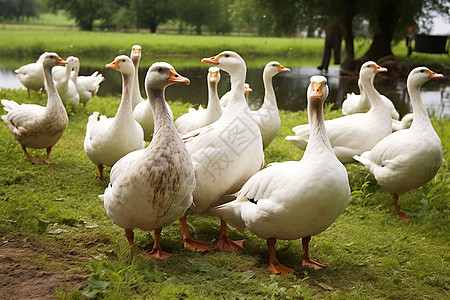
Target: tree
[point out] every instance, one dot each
(85, 12)
(150, 13)
(389, 20)
(16, 9)
(219, 20)
(196, 13)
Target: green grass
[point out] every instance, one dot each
(370, 254)
(98, 45)
(21, 44)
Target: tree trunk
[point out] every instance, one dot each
(384, 31)
(348, 62)
(152, 25)
(198, 29)
(380, 47)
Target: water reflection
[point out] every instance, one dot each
(290, 88)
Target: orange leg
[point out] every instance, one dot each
(157, 252)
(399, 213)
(306, 261)
(189, 243)
(225, 243)
(130, 237)
(274, 265)
(100, 173)
(47, 159)
(33, 160)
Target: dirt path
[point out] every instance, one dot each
(21, 277)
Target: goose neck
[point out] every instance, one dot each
(76, 70)
(419, 110)
(374, 97)
(318, 137)
(125, 109)
(237, 90)
(269, 92)
(53, 95)
(161, 114)
(213, 98)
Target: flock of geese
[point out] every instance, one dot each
(211, 160)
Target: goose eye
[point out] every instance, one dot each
(421, 71)
(159, 69)
(123, 60)
(227, 55)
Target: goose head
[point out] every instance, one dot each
(76, 63)
(51, 59)
(135, 53)
(213, 74)
(71, 61)
(123, 64)
(161, 74)
(420, 75)
(273, 68)
(229, 61)
(317, 89)
(369, 69)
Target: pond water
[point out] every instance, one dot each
(290, 88)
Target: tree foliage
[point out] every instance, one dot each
(16, 9)
(150, 13)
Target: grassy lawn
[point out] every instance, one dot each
(23, 44)
(371, 255)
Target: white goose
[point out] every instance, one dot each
(35, 126)
(142, 110)
(66, 87)
(294, 199)
(87, 86)
(31, 75)
(360, 103)
(109, 139)
(136, 93)
(408, 158)
(195, 119)
(268, 117)
(226, 153)
(354, 134)
(152, 187)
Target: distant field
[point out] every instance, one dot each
(24, 43)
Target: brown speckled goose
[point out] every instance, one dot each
(152, 187)
(35, 126)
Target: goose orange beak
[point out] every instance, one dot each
(317, 90)
(283, 69)
(434, 75)
(177, 78)
(379, 69)
(114, 65)
(136, 52)
(212, 60)
(60, 61)
(213, 77)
